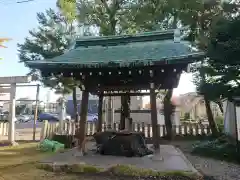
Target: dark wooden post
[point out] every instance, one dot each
(83, 118)
(100, 105)
(122, 116)
(36, 113)
(154, 117)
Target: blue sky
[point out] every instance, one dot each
(16, 20)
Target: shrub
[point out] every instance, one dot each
(221, 148)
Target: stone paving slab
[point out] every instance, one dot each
(169, 159)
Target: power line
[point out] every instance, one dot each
(11, 2)
(19, 2)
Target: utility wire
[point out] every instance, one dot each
(19, 2)
(10, 2)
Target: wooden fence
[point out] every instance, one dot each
(23, 131)
(49, 129)
(3, 129)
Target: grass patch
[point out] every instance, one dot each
(117, 170)
(134, 171)
(19, 163)
(74, 168)
(17, 155)
(29, 171)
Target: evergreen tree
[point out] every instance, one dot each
(200, 21)
(224, 52)
(68, 9)
(53, 37)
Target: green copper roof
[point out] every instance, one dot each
(124, 39)
(123, 51)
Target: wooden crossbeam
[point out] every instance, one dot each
(130, 94)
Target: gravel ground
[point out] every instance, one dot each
(213, 169)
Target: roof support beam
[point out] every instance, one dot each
(130, 94)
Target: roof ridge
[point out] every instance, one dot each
(169, 41)
(124, 39)
(148, 33)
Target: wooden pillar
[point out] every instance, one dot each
(36, 113)
(75, 107)
(11, 120)
(83, 119)
(154, 117)
(100, 116)
(62, 114)
(109, 113)
(122, 117)
(127, 112)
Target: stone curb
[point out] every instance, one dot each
(194, 170)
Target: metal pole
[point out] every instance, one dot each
(36, 113)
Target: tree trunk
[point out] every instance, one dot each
(211, 121)
(168, 108)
